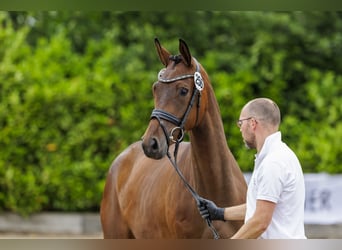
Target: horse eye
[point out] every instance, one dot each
(183, 91)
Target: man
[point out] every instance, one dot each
(274, 207)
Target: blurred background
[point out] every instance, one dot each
(75, 90)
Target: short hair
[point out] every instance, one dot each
(265, 109)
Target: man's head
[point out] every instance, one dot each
(259, 118)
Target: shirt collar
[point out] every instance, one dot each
(268, 144)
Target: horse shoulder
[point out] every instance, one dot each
(123, 164)
(112, 218)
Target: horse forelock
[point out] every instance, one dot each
(175, 71)
(176, 58)
(172, 72)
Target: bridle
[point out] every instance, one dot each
(180, 123)
(163, 115)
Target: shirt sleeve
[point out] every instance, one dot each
(270, 182)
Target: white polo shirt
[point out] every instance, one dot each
(278, 177)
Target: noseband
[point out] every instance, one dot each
(163, 115)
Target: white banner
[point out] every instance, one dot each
(323, 203)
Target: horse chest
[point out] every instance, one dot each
(162, 206)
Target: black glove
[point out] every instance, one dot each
(209, 210)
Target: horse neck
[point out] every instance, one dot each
(216, 167)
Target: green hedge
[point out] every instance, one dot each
(75, 90)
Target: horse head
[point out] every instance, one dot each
(179, 100)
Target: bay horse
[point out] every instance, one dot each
(143, 195)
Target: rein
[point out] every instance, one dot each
(162, 115)
(190, 188)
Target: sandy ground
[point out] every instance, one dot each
(9, 235)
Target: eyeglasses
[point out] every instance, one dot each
(239, 122)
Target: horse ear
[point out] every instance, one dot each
(162, 53)
(185, 52)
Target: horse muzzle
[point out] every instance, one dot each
(154, 142)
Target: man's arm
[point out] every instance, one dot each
(235, 213)
(209, 210)
(259, 222)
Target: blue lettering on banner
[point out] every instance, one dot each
(318, 200)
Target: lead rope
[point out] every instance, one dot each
(188, 186)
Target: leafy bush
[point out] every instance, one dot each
(75, 90)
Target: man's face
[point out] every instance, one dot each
(247, 133)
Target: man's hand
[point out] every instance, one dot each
(209, 210)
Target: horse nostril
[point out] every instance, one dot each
(154, 144)
(153, 149)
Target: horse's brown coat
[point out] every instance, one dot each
(144, 197)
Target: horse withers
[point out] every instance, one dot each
(144, 197)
